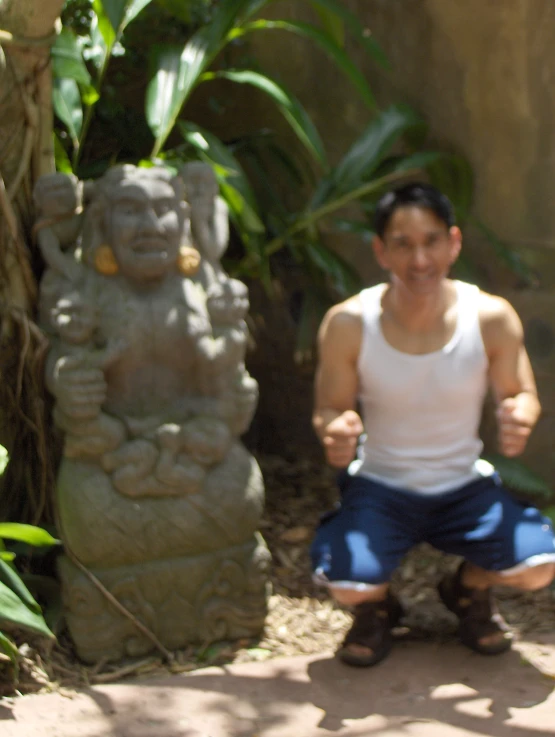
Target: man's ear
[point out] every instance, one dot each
(380, 252)
(455, 236)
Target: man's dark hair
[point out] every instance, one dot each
(415, 194)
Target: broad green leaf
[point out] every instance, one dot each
(453, 175)
(4, 458)
(352, 22)
(213, 150)
(520, 478)
(104, 25)
(27, 534)
(332, 23)
(288, 105)
(322, 39)
(421, 160)
(369, 149)
(343, 277)
(10, 578)
(9, 648)
(67, 58)
(14, 611)
(97, 50)
(357, 227)
(7, 556)
(366, 154)
(67, 106)
(119, 13)
(177, 73)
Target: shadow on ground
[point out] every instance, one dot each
(421, 690)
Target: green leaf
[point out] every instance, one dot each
(357, 227)
(4, 458)
(352, 22)
(343, 277)
(288, 105)
(27, 534)
(14, 611)
(119, 13)
(67, 106)
(453, 175)
(520, 478)
(332, 23)
(7, 555)
(178, 72)
(368, 151)
(230, 172)
(61, 158)
(67, 58)
(10, 578)
(325, 41)
(9, 647)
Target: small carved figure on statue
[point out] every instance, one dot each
(59, 202)
(224, 350)
(92, 432)
(209, 218)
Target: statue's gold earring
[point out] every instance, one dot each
(188, 260)
(105, 261)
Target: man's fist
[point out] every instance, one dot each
(340, 438)
(515, 427)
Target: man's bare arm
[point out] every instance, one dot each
(510, 374)
(335, 420)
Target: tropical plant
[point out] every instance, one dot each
(382, 155)
(19, 612)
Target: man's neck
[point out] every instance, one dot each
(418, 313)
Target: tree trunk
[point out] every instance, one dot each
(27, 30)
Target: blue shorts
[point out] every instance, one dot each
(364, 539)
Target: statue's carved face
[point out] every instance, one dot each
(57, 194)
(144, 228)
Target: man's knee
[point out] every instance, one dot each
(346, 596)
(530, 579)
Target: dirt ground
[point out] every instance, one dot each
(302, 620)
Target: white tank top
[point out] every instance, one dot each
(421, 413)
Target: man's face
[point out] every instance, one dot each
(145, 228)
(417, 249)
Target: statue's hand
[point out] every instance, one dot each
(80, 391)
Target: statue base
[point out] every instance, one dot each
(195, 599)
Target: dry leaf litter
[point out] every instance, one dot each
(301, 618)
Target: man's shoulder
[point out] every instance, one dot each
(494, 309)
(498, 319)
(347, 312)
(350, 310)
(341, 328)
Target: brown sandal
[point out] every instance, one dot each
(371, 629)
(477, 613)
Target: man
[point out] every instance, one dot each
(417, 356)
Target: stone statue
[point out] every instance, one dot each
(156, 494)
